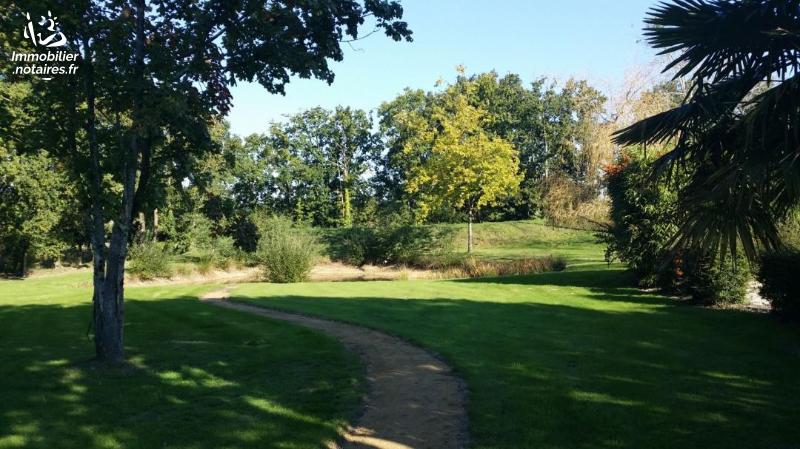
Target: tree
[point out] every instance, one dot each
(554, 128)
(736, 132)
(155, 75)
(458, 163)
(34, 194)
(523, 116)
(353, 147)
(391, 177)
(335, 148)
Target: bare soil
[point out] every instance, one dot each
(414, 400)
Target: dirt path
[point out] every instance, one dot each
(414, 399)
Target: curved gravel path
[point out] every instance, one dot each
(414, 400)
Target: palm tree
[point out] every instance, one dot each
(737, 132)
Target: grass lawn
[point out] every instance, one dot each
(578, 359)
(200, 377)
(517, 239)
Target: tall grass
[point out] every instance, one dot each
(470, 267)
(285, 253)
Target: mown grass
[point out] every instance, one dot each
(579, 359)
(531, 238)
(574, 359)
(198, 377)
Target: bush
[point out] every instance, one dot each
(642, 223)
(357, 245)
(790, 229)
(724, 281)
(245, 233)
(417, 245)
(779, 284)
(193, 233)
(390, 244)
(285, 253)
(220, 253)
(149, 260)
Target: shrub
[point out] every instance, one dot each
(642, 223)
(396, 244)
(149, 260)
(790, 229)
(721, 281)
(204, 262)
(357, 245)
(285, 253)
(220, 253)
(245, 233)
(225, 252)
(778, 277)
(193, 233)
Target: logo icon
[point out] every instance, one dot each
(55, 39)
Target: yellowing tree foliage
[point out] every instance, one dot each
(457, 163)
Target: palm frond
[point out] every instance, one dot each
(717, 39)
(700, 111)
(740, 150)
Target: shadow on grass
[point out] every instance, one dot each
(583, 278)
(603, 285)
(198, 378)
(632, 373)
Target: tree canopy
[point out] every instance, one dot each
(455, 161)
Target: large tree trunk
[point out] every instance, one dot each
(110, 319)
(109, 274)
(107, 317)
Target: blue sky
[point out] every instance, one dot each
(596, 40)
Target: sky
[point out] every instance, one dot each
(597, 40)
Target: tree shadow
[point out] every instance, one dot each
(197, 377)
(583, 278)
(579, 376)
(606, 284)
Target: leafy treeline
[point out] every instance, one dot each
(328, 168)
(341, 167)
(345, 166)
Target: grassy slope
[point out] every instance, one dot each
(200, 377)
(580, 360)
(515, 239)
